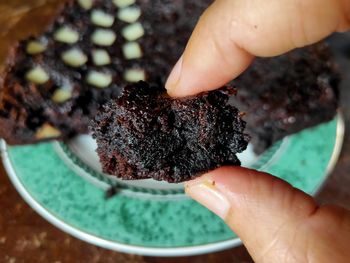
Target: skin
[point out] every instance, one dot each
(276, 222)
(231, 32)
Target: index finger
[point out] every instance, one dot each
(231, 32)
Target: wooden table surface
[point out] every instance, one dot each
(26, 237)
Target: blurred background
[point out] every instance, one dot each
(26, 237)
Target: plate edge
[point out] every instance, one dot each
(150, 251)
(97, 241)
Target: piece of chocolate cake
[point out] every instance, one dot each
(56, 81)
(288, 93)
(147, 134)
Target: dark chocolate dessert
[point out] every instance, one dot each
(56, 81)
(286, 94)
(146, 134)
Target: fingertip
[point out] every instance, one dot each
(204, 177)
(203, 190)
(210, 191)
(223, 175)
(185, 80)
(174, 77)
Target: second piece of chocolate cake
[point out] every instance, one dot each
(56, 81)
(146, 134)
(288, 93)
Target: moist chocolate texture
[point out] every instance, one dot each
(288, 93)
(146, 134)
(55, 82)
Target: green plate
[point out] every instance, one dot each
(63, 183)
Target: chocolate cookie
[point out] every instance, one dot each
(55, 82)
(146, 134)
(286, 94)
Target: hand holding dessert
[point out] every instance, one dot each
(276, 222)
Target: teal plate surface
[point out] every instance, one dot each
(152, 220)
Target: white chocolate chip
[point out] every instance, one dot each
(123, 3)
(101, 18)
(132, 50)
(129, 14)
(37, 75)
(74, 57)
(133, 31)
(100, 57)
(61, 95)
(66, 35)
(134, 75)
(103, 37)
(35, 47)
(98, 79)
(47, 131)
(86, 4)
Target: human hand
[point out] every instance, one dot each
(231, 32)
(276, 222)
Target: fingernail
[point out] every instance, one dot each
(174, 76)
(208, 195)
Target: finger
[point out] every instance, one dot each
(275, 221)
(231, 32)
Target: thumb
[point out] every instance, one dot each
(231, 32)
(276, 222)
